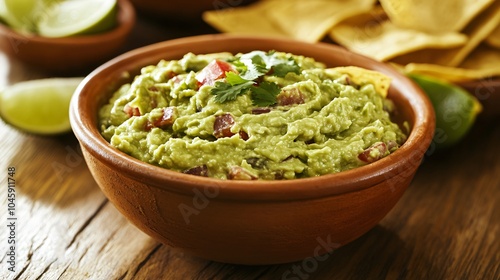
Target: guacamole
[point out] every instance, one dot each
(258, 115)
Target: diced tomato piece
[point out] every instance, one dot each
(290, 97)
(243, 135)
(238, 173)
(170, 75)
(131, 111)
(215, 70)
(373, 153)
(348, 80)
(167, 119)
(260, 110)
(222, 125)
(148, 126)
(198, 171)
(391, 145)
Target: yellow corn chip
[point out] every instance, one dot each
(250, 20)
(434, 16)
(375, 36)
(311, 20)
(363, 76)
(477, 31)
(482, 63)
(494, 38)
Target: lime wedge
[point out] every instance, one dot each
(21, 9)
(18, 14)
(39, 106)
(455, 108)
(3, 13)
(78, 17)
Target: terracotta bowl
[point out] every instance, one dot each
(70, 54)
(185, 11)
(257, 222)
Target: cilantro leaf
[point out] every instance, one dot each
(235, 79)
(259, 63)
(282, 69)
(239, 66)
(226, 92)
(255, 67)
(265, 94)
(252, 71)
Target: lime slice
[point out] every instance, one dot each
(78, 17)
(455, 108)
(39, 106)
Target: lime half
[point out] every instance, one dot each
(455, 108)
(39, 106)
(78, 17)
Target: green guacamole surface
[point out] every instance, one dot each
(318, 122)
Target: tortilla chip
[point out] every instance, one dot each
(311, 20)
(494, 38)
(477, 31)
(375, 36)
(484, 62)
(434, 16)
(249, 20)
(361, 76)
(304, 20)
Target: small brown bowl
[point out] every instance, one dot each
(257, 222)
(70, 54)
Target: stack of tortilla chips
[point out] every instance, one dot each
(456, 40)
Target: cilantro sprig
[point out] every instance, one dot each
(251, 67)
(265, 94)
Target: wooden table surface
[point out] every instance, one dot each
(446, 226)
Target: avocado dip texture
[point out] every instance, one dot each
(258, 115)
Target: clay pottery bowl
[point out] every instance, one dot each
(249, 222)
(73, 54)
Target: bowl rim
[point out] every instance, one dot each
(410, 153)
(126, 18)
